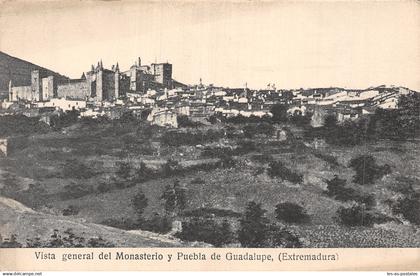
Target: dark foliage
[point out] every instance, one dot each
(64, 120)
(281, 237)
(404, 185)
(71, 210)
(356, 215)
(184, 121)
(279, 112)
(331, 160)
(139, 202)
(104, 187)
(367, 171)
(399, 124)
(21, 125)
(75, 169)
(206, 230)
(75, 190)
(300, 120)
(291, 213)
(409, 208)
(263, 128)
(67, 239)
(157, 223)
(174, 197)
(124, 170)
(198, 180)
(143, 173)
(123, 223)
(336, 188)
(278, 169)
(253, 231)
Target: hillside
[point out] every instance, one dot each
(28, 224)
(17, 70)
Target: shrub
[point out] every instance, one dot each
(21, 125)
(404, 185)
(64, 120)
(124, 170)
(71, 210)
(175, 198)
(144, 173)
(103, 187)
(158, 224)
(279, 112)
(355, 215)
(75, 190)
(198, 180)
(409, 207)
(99, 242)
(331, 160)
(139, 202)
(336, 188)
(253, 231)
(291, 213)
(281, 237)
(68, 239)
(367, 171)
(263, 128)
(76, 169)
(206, 230)
(170, 168)
(278, 169)
(123, 223)
(184, 121)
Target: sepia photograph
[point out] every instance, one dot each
(209, 124)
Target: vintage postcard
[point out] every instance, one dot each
(209, 135)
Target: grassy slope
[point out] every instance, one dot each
(231, 189)
(27, 224)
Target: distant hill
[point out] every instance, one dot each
(17, 70)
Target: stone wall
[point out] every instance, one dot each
(76, 90)
(21, 93)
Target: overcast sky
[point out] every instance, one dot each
(291, 44)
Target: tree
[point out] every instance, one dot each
(291, 213)
(174, 197)
(355, 215)
(278, 169)
(336, 188)
(170, 167)
(206, 230)
(143, 173)
(281, 237)
(279, 112)
(140, 203)
(409, 207)
(124, 170)
(367, 171)
(253, 231)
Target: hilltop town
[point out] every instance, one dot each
(111, 92)
(132, 157)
